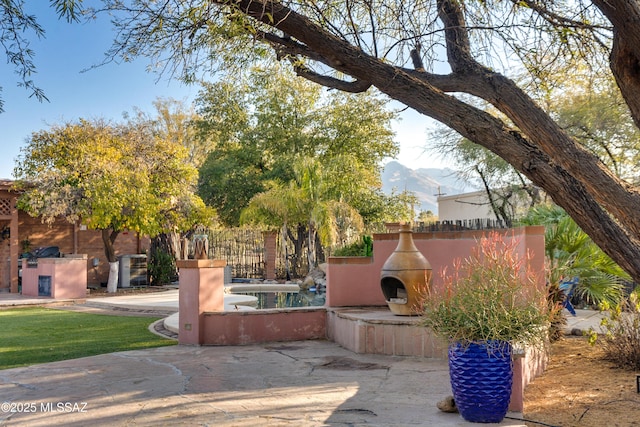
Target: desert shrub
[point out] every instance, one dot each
(620, 339)
(162, 268)
(492, 295)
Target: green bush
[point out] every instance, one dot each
(360, 248)
(162, 268)
(492, 295)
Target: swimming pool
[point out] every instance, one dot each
(287, 299)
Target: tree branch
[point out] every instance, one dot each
(356, 86)
(289, 48)
(456, 36)
(625, 55)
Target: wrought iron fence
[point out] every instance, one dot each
(457, 225)
(243, 249)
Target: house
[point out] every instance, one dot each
(465, 207)
(19, 233)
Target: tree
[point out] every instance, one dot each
(265, 122)
(111, 178)
(174, 123)
(427, 217)
(592, 110)
(589, 108)
(509, 193)
(307, 201)
(392, 46)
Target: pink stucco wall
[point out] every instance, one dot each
(249, 327)
(201, 290)
(203, 320)
(355, 281)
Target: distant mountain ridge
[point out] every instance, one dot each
(425, 183)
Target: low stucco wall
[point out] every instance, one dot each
(68, 277)
(260, 326)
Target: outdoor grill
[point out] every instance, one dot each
(405, 276)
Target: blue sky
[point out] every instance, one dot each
(111, 90)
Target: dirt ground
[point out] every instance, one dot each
(579, 388)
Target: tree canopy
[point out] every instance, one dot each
(110, 178)
(393, 46)
(270, 123)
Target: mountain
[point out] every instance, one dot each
(425, 183)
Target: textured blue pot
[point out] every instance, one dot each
(481, 380)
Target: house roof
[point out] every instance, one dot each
(6, 184)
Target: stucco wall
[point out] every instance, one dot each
(355, 281)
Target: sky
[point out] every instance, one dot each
(110, 90)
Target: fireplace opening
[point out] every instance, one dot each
(394, 290)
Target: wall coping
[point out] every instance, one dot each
(201, 263)
(350, 260)
(63, 260)
(264, 311)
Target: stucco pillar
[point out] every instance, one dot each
(270, 254)
(15, 246)
(201, 290)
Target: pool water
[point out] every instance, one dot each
(288, 299)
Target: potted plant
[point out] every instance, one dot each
(489, 302)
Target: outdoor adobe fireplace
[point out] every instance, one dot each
(405, 275)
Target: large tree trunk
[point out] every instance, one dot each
(108, 239)
(605, 207)
(311, 244)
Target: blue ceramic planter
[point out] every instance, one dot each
(481, 380)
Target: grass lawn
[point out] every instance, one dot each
(39, 335)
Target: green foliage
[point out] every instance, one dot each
(162, 268)
(39, 335)
(353, 249)
(118, 177)
(570, 253)
(620, 338)
(363, 247)
(308, 200)
(492, 295)
(591, 108)
(176, 122)
(267, 121)
(368, 245)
